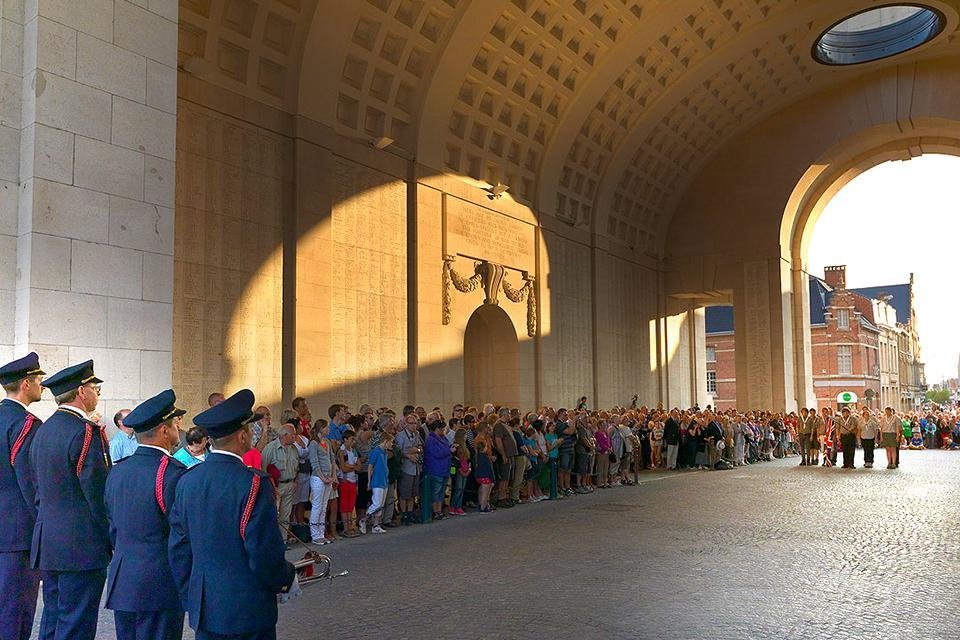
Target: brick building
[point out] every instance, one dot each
(862, 340)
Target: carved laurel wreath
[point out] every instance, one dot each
(467, 284)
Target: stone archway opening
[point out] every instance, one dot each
(825, 178)
(491, 358)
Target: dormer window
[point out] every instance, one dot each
(843, 318)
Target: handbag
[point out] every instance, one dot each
(305, 467)
(613, 457)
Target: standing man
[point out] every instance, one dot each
(123, 443)
(18, 427)
(671, 436)
(139, 494)
(869, 428)
(71, 539)
(410, 446)
(815, 424)
(803, 433)
(282, 456)
(339, 415)
(228, 561)
(303, 414)
(848, 429)
(829, 438)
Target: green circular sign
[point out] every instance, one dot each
(846, 396)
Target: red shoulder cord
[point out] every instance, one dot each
(24, 432)
(158, 487)
(87, 440)
(248, 507)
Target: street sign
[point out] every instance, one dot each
(847, 397)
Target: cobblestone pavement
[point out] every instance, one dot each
(765, 551)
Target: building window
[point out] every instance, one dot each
(711, 381)
(843, 318)
(711, 354)
(844, 361)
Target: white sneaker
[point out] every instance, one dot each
(379, 529)
(363, 525)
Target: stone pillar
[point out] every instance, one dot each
(763, 329)
(802, 348)
(698, 356)
(97, 130)
(11, 72)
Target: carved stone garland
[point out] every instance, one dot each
(491, 277)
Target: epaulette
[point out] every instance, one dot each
(90, 429)
(249, 503)
(22, 437)
(259, 472)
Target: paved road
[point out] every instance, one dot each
(766, 551)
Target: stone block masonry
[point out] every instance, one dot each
(87, 165)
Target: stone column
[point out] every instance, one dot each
(802, 348)
(11, 72)
(763, 330)
(97, 129)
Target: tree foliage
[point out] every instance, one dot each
(938, 396)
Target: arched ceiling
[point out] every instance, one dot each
(599, 112)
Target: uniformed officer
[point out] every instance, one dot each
(225, 546)
(139, 494)
(18, 427)
(71, 540)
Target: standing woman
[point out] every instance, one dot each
(363, 446)
(646, 449)
(698, 433)
(322, 478)
(603, 451)
(890, 428)
(869, 427)
(301, 496)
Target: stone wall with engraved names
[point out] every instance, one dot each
(234, 183)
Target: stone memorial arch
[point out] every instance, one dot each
(275, 193)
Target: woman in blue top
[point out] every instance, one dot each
(436, 463)
(195, 451)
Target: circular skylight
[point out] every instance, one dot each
(878, 33)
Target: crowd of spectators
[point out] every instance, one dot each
(348, 473)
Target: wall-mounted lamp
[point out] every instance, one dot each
(381, 143)
(192, 65)
(496, 191)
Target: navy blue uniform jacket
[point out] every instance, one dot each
(228, 580)
(18, 506)
(71, 533)
(139, 578)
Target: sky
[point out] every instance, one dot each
(898, 218)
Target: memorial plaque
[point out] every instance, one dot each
(474, 231)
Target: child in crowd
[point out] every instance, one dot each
(916, 442)
(349, 464)
(377, 478)
(532, 448)
(460, 470)
(483, 444)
